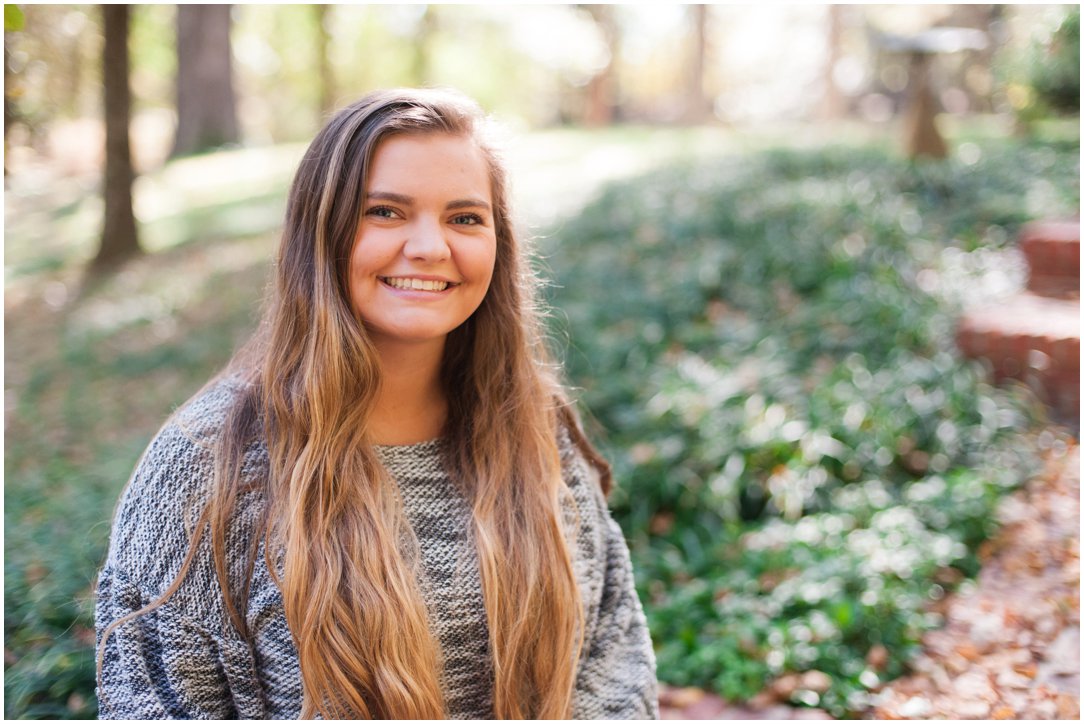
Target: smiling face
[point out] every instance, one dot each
(425, 248)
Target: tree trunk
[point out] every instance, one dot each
(698, 107)
(119, 237)
(602, 88)
(206, 107)
(421, 63)
(923, 138)
(327, 80)
(833, 104)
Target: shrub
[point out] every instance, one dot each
(803, 459)
(1055, 67)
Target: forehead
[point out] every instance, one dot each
(431, 161)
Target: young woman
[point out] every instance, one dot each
(385, 506)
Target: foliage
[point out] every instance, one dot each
(1041, 74)
(14, 19)
(1055, 72)
(804, 462)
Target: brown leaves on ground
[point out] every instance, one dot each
(692, 703)
(1010, 645)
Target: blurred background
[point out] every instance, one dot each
(761, 227)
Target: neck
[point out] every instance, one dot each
(411, 406)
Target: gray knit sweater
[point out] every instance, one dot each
(186, 660)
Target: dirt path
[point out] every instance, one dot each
(1010, 647)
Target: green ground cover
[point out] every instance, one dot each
(764, 335)
(806, 464)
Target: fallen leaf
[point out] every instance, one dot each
(956, 663)
(1011, 680)
(1068, 707)
(968, 651)
(681, 698)
(707, 707)
(975, 685)
(661, 523)
(972, 709)
(762, 700)
(877, 657)
(784, 686)
(1028, 669)
(817, 681)
(1045, 709)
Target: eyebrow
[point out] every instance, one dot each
(408, 200)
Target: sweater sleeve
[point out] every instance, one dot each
(617, 677)
(180, 659)
(160, 665)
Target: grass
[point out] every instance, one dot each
(92, 371)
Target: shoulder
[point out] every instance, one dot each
(157, 514)
(581, 477)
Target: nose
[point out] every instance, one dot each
(426, 241)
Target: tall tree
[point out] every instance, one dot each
(602, 91)
(323, 62)
(119, 237)
(698, 107)
(920, 124)
(422, 62)
(833, 105)
(206, 106)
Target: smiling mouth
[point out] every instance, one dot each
(418, 285)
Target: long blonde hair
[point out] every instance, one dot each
(350, 566)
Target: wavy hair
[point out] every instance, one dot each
(349, 565)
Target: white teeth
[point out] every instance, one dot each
(426, 285)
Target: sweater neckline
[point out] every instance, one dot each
(399, 458)
(424, 445)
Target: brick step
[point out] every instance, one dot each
(1052, 250)
(1033, 339)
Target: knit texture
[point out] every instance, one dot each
(186, 660)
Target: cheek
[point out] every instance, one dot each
(370, 255)
(477, 262)
(362, 282)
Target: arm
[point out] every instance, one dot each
(159, 665)
(179, 659)
(617, 671)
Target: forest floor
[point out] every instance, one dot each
(1010, 646)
